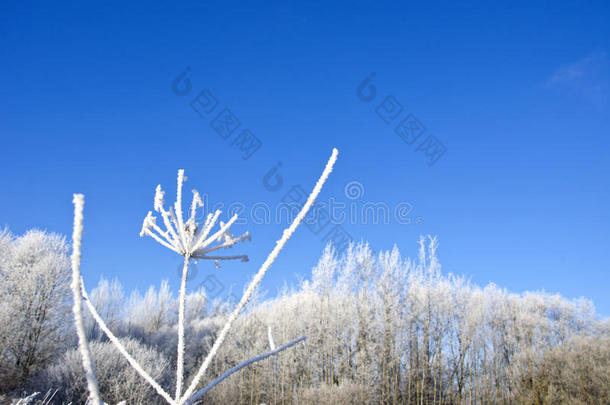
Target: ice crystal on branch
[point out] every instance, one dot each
(190, 239)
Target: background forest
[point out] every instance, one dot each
(381, 329)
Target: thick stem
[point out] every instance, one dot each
(180, 361)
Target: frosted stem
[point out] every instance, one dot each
(180, 361)
(94, 396)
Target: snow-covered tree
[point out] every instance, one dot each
(34, 302)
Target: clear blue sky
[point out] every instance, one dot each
(517, 92)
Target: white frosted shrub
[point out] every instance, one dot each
(196, 305)
(109, 300)
(117, 381)
(34, 303)
(152, 311)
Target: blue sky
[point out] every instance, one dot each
(518, 94)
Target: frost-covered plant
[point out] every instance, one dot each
(108, 298)
(192, 240)
(117, 380)
(152, 311)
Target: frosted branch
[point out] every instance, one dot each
(224, 228)
(229, 242)
(235, 369)
(178, 208)
(210, 221)
(136, 366)
(261, 272)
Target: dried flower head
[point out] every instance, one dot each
(190, 239)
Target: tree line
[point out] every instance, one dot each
(380, 329)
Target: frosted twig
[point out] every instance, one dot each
(136, 366)
(223, 229)
(235, 369)
(197, 203)
(210, 221)
(178, 207)
(261, 272)
(229, 242)
(77, 234)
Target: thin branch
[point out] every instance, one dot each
(235, 369)
(148, 232)
(210, 221)
(79, 202)
(229, 242)
(261, 272)
(196, 203)
(136, 366)
(223, 229)
(158, 205)
(153, 223)
(178, 208)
